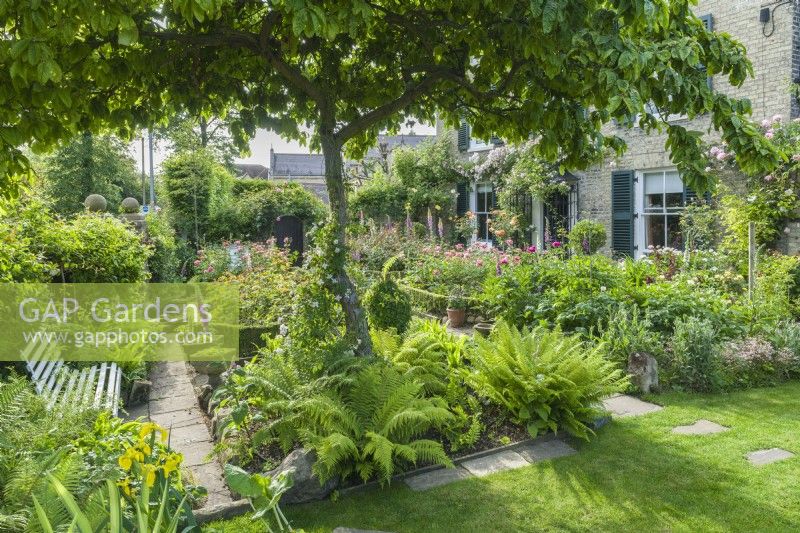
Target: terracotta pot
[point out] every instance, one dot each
(483, 328)
(456, 317)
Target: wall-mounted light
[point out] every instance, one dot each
(764, 17)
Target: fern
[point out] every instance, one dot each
(546, 380)
(371, 428)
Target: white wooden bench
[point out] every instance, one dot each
(97, 386)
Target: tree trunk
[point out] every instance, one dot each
(354, 315)
(203, 132)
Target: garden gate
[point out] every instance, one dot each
(288, 232)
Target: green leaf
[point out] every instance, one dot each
(42, 516)
(242, 482)
(81, 520)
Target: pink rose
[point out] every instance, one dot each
(770, 134)
(556, 244)
(504, 260)
(532, 249)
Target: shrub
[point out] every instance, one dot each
(754, 362)
(20, 260)
(547, 381)
(93, 248)
(372, 427)
(628, 332)
(586, 237)
(195, 186)
(255, 205)
(786, 336)
(388, 306)
(164, 264)
(694, 358)
(380, 197)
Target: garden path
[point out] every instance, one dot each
(173, 405)
(520, 456)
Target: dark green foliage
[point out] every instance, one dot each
(381, 197)
(373, 426)
(629, 332)
(99, 249)
(89, 164)
(693, 362)
(587, 237)
(254, 205)
(195, 186)
(388, 306)
(547, 381)
(165, 263)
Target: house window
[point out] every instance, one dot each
(664, 202)
(485, 203)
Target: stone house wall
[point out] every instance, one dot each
(776, 63)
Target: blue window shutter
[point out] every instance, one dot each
(622, 212)
(463, 136)
(462, 199)
(708, 20)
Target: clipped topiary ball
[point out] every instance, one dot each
(130, 205)
(95, 202)
(388, 306)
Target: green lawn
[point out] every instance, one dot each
(634, 476)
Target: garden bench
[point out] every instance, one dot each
(97, 386)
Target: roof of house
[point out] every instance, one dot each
(390, 142)
(251, 170)
(296, 164)
(286, 165)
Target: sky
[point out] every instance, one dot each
(259, 147)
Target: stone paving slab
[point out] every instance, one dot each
(196, 453)
(175, 403)
(167, 390)
(176, 419)
(545, 450)
(495, 462)
(765, 457)
(623, 405)
(701, 427)
(436, 478)
(187, 435)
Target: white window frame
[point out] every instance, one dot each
(474, 208)
(477, 145)
(639, 212)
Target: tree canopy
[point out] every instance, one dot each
(89, 164)
(554, 70)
